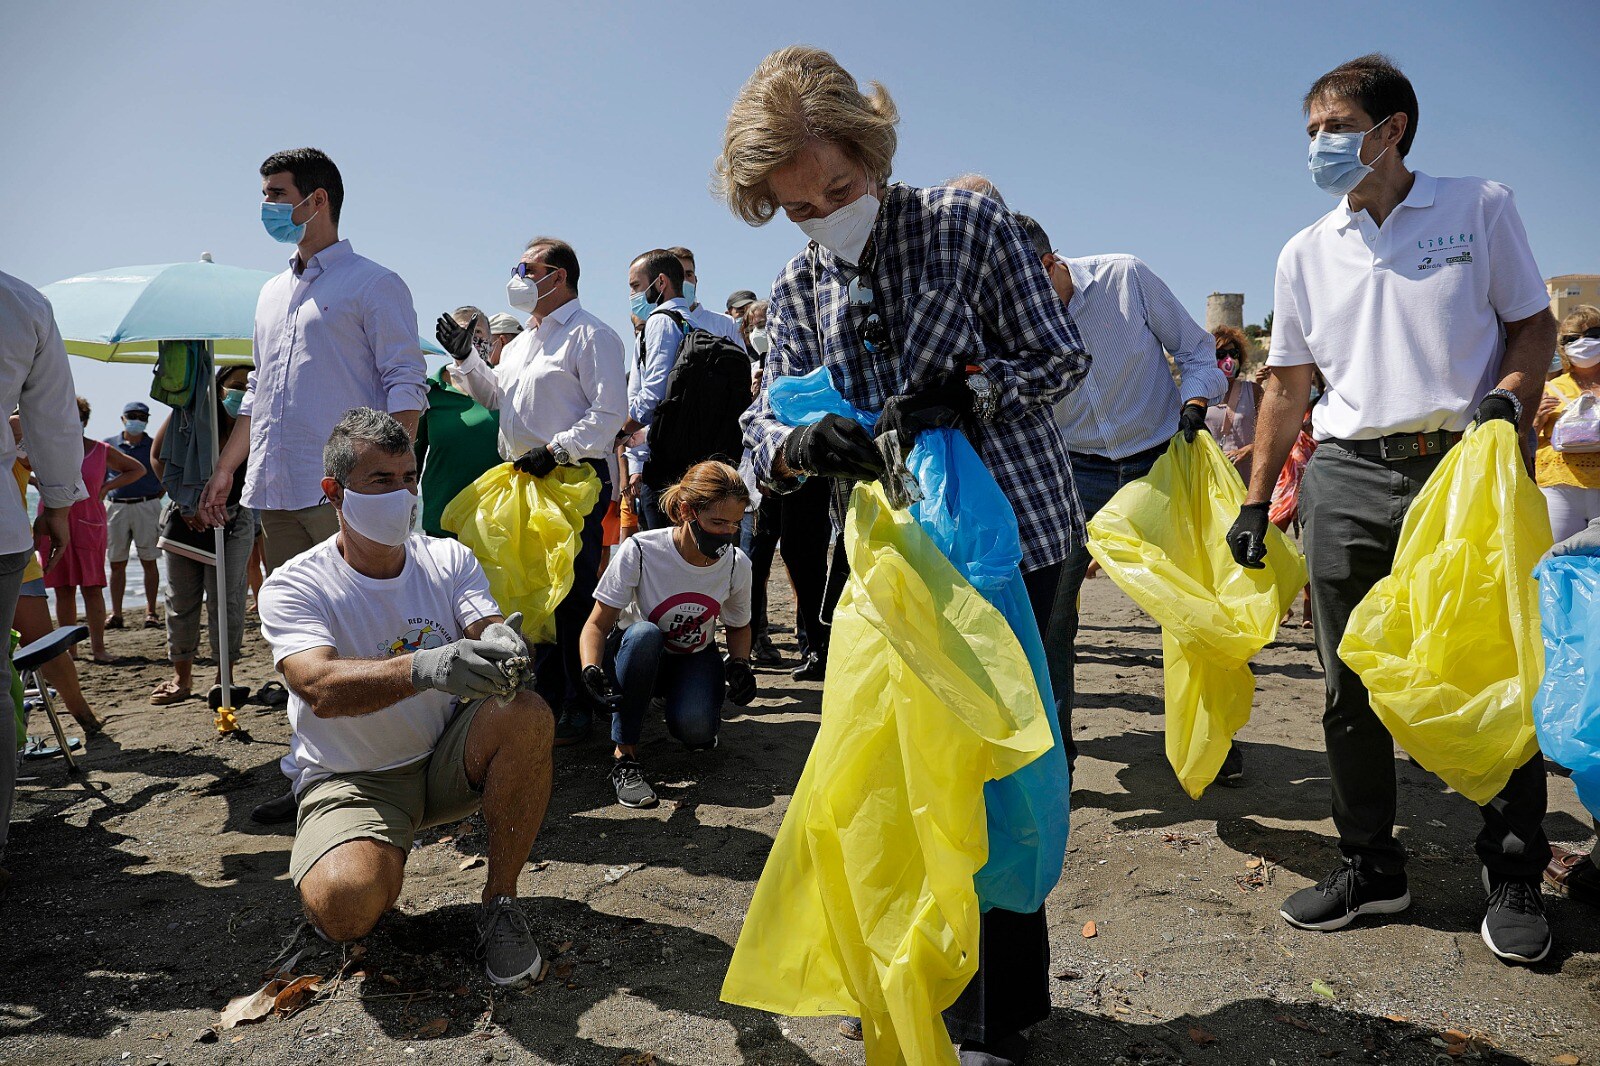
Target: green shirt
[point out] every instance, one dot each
(457, 440)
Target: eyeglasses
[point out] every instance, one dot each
(522, 270)
(1590, 334)
(1227, 353)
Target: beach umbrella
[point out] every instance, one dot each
(123, 314)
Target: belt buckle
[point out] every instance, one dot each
(1393, 449)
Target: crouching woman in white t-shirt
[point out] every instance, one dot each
(674, 583)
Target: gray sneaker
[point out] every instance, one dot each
(505, 942)
(632, 789)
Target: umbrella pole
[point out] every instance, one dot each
(226, 722)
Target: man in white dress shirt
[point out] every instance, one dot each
(334, 331)
(562, 395)
(35, 381)
(1118, 422)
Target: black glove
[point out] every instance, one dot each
(603, 695)
(834, 446)
(1495, 407)
(454, 337)
(1192, 420)
(741, 682)
(538, 462)
(1248, 537)
(949, 403)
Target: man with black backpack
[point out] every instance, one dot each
(688, 390)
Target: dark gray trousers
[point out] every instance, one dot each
(1353, 508)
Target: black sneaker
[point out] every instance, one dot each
(764, 653)
(275, 811)
(1232, 772)
(632, 789)
(1350, 890)
(573, 725)
(1514, 927)
(815, 668)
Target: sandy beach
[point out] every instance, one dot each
(146, 899)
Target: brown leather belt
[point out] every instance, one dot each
(1398, 446)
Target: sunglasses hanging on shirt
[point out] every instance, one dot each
(874, 334)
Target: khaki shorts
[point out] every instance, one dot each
(137, 522)
(388, 805)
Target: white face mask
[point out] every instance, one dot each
(1583, 352)
(760, 341)
(386, 518)
(846, 231)
(523, 293)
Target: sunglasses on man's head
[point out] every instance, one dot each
(1592, 333)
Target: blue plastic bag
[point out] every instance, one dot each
(967, 515)
(1566, 712)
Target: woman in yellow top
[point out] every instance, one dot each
(1570, 480)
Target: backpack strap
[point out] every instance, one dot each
(676, 316)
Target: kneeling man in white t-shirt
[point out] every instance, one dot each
(390, 643)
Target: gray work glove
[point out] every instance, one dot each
(468, 668)
(1585, 541)
(508, 634)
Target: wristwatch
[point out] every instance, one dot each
(985, 397)
(562, 456)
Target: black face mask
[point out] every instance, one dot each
(711, 544)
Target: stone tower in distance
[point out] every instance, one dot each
(1225, 309)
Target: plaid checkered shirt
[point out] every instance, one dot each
(956, 283)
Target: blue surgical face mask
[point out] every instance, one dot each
(232, 400)
(278, 219)
(688, 292)
(135, 425)
(1335, 160)
(640, 304)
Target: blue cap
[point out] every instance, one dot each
(136, 408)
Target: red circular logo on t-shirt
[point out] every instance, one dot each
(688, 619)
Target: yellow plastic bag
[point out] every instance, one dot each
(525, 531)
(1162, 540)
(1448, 644)
(867, 905)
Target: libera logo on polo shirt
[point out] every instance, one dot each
(1458, 240)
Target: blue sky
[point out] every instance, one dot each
(1171, 131)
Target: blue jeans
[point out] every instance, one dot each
(691, 685)
(650, 514)
(1097, 479)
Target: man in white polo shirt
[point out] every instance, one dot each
(392, 648)
(1419, 301)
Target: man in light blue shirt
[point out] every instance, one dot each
(655, 283)
(334, 331)
(1118, 422)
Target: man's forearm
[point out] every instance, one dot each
(409, 420)
(237, 449)
(1283, 408)
(1529, 343)
(348, 688)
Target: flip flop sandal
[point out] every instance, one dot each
(167, 694)
(240, 694)
(116, 622)
(39, 748)
(152, 622)
(272, 694)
